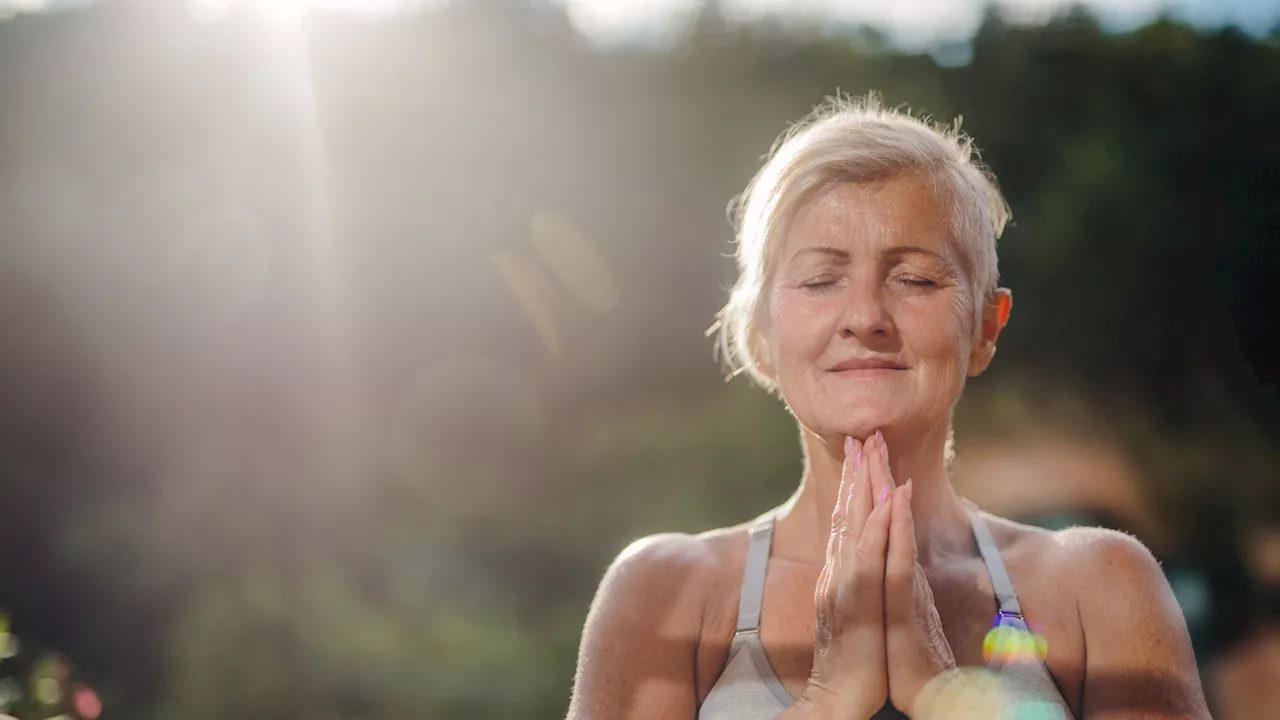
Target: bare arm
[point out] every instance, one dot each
(1139, 663)
(636, 659)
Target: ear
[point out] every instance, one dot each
(995, 314)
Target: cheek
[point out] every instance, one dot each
(801, 330)
(937, 332)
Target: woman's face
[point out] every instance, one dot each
(870, 321)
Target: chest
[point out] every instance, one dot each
(966, 605)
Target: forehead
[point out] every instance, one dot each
(899, 210)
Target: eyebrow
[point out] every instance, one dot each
(822, 250)
(909, 249)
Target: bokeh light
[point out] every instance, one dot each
(10, 693)
(9, 645)
(47, 691)
(86, 703)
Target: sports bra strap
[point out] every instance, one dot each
(753, 576)
(1000, 581)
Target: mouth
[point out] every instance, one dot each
(866, 367)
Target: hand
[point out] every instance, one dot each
(917, 651)
(850, 678)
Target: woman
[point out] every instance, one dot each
(867, 295)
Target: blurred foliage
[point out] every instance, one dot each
(310, 411)
(317, 648)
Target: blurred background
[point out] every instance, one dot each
(343, 343)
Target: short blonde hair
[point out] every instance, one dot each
(859, 140)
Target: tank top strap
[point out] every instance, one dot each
(747, 637)
(1000, 581)
(761, 537)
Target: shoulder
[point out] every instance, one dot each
(645, 623)
(1079, 552)
(1113, 560)
(670, 552)
(677, 553)
(1120, 593)
(670, 574)
(1137, 653)
(1106, 574)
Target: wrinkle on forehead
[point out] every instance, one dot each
(901, 211)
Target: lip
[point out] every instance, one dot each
(862, 366)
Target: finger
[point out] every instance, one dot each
(900, 562)
(874, 542)
(868, 566)
(853, 520)
(859, 502)
(840, 529)
(840, 525)
(820, 589)
(849, 472)
(878, 469)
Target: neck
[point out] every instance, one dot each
(942, 525)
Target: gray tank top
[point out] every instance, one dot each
(748, 689)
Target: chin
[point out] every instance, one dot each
(860, 422)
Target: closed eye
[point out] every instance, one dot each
(819, 284)
(914, 280)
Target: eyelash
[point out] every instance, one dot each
(917, 282)
(821, 285)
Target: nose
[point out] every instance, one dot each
(865, 316)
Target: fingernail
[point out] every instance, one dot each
(884, 495)
(848, 445)
(857, 457)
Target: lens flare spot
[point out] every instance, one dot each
(1008, 643)
(574, 259)
(47, 691)
(9, 646)
(86, 703)
(530, 289)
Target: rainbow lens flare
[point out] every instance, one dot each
(1010, 641)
